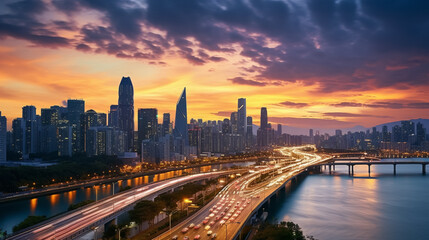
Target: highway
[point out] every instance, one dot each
(223, 217)
(72, 225)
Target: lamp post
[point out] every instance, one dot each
(187, 201)
(226, 229)
(132, 224)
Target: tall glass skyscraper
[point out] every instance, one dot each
(2, 138)
(147, 124)
(181, 121)
(242, 126)
(126, 111)
(75, 108)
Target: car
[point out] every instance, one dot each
(222, 213)
(205, 222)
(185, 230)
(206, 218)
(198, 226)
(186, 238)
(207, 227)
(217, 218)
(225, 218)
(197, 237)
(211, 215)
(212, 223)
(175, 237)
(209, 233)
(222, 222)
(214, 235)
(191, 225)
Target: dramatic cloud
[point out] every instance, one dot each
(242, 81)
(389, 105)
(314, 122)
(351, 115)
(294, 104)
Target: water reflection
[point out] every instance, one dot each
(33, 205)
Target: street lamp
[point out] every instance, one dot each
(95, 232)
(226, 229)
(187, 201)
(132, 224)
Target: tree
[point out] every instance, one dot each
(282, 231)
(29, 221)
(145, 210)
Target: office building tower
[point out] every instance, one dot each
(338, 133)
(48, 134)
(147, 124)
(126, 111)
(421, 134)
(3, 133)
(385, 134)
(113, 116)
(408, 130)
(31, 131)
(76, 108)
(88, 120)
(18, 127)
(241, 115)
(234, 122)
(181, 125)
(249, 132)
(65, 139)
(101, 119)
(165, 129)
(264, 118)
(262, 134)
(279, 129)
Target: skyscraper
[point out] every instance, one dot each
(147, 124)
(234, 122)
(75, 108)
(242, 121)
(48, 134)
(249, 133)
(262, 136)
(264, 118)
(30, 130)
(113, 116)
(165, 124)
(3, 133)
(88, 120)
(126, 111)
(181, 122)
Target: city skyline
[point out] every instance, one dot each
(337, 65)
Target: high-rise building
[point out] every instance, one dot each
(88, 120)
(165, 124)
(241, 114)
(3, 133)
(31, 131)
(386, 137)
(234, 122)
(18, 129)
(113, 116)
(279, 129)
(249, 132)
(147, 124)
(76, 108)
(421, 134)
(101, 119)
(126, 111)
(181, 124)
(262, 135)
(264, 118)
(338, 133)
(48, 134)
(408, 130)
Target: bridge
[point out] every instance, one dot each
(74, 224)
(351, 165)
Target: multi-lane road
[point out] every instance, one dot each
(223, 217)
(74, 224)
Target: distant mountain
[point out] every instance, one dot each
(305, 131)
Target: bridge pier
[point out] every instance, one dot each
(424, 169)
(369, 169)
(353, 169)
(349, 168)
(394, 169)
(330, 169)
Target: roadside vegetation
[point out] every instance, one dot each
(282, 231)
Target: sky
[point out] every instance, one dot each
(312, 63)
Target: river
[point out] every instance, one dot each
(342, 207)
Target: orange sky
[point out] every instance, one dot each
(308, 81)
